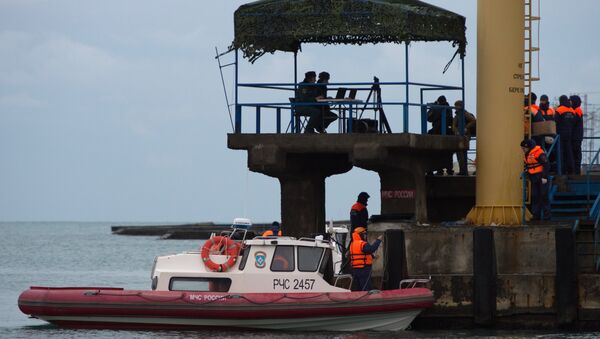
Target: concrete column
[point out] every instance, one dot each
(484, 277)
(302, 204)
(418, 171)
(566, 277)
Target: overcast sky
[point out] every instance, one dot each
(114, 110)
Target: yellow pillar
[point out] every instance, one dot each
(500, 54)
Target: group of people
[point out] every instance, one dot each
(568, 117)
(309, 91)
(452, 123)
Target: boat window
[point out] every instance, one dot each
(244, 258)
(309, 258)
(283, 259)
(199, 284)
(327, 267)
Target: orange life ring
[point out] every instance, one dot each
(283, 264)
(232, 249)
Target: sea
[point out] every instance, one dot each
(87, 254)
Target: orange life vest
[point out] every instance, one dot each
(358, 258)
(564, 110)
(548, 112)
(534, 109)
(269, 233)
(358, 206)
(578, 111)
(531, 160)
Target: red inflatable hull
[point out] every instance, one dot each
(91, 307)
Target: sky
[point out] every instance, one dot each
(114, 110)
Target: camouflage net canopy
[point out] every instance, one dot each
(267, 26)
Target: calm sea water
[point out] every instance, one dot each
(87, 254)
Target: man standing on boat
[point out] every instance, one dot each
(358, 213)
(361, 258)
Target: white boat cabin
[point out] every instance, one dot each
(264, 265)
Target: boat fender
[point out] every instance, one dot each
(232, 250)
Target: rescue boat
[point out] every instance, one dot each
(279, 283)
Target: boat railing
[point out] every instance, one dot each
(412, 283)
(314, 239)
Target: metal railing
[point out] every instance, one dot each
(349, 109)
(595, 210)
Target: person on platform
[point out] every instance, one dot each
(547, 113)
(440, 109)
(577, 132)
(534, 108)
(361, 259)
(274, 231)
(534, 114)
(546, 110)
(359, 215)
(327, 115)
(566, 119)
(306, 94)
(469, 131)
(535, 165)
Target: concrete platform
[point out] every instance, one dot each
(301, 162)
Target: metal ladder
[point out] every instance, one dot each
(531, 65)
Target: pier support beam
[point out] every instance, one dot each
(566, 277)
(484, 277)
(302, 178)
(306, 193)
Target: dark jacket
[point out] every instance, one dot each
(359, 215)
(565, 122)
(307, 92)
(434, 116)
(578, 127)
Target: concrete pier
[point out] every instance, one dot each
(501, 277)
(302, 162)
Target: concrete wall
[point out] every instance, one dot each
(525, 266)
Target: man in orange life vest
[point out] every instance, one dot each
(535, 164)
(273, 231)
(577, 131)
(361, 258)
(546, 111)
(358, 213)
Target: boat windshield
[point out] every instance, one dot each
(309, 258)
(283, 259)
